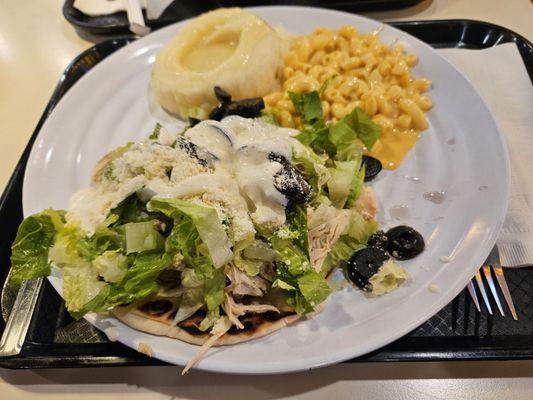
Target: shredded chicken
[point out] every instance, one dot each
(256, 308)
(221, 327)
(367, 203)
(323, 237)
(235, 310)
(231, 312)
(242, 284)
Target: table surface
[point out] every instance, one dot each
(36, 44)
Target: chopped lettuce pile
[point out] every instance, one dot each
(187, 247)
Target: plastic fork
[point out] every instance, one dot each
(492, 264)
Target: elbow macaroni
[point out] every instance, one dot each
(355, 70)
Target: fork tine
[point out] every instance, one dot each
(490, 281)
(483, 292)
(472, 291)
(498, 271)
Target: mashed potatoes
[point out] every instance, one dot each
(229, 48)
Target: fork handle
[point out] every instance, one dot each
(20, 318)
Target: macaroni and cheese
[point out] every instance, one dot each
(351, 70)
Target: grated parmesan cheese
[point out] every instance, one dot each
(239, 182)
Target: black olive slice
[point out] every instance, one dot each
(363, 264)
(218, 112)
(194, 121)
(379, 240)
(202, 156)
(372, 167)
(222, 96)
(247, 108)
(289, 182)
(404, 242)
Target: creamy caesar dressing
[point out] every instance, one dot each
(242, 148)
(90, 207)
(143, 168)
(255, 176)
(261, 135)
(238, 179)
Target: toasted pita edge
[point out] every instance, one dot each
(164, 327)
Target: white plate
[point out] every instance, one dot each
(460, 153)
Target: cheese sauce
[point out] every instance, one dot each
(393, 146)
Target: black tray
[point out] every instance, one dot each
(117, 23)
(457, 332)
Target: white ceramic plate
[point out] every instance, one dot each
(462, 153)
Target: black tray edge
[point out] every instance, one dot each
(15, 182)
(522, 350)
(115, 28)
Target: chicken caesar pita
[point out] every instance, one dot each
(216, 235)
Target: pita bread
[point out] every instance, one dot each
(157, 317)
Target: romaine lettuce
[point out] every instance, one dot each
(155, 133)
(111, 265)
(210, 319)
(190, 302)
(138, 282)
(311, 166)
(339, 254)
(200, 237)
(315, 132)
(142, 236)
(103, 239)
(362, 125)
(314, 287)
(185, 240)
(359, 228)
(29, 252)
(297, 222)
(389, 276)
(291, 255)
(341, 181)
(206, 222)
(65, 249)
(250, 266)
(80, 284)
(214, 289)
(356, 237)
(303, 292)
(260, 251)
(341, 141)
(308, 105)
(131, 209)
(356, 186)
(305, 288)
(189, 279)
(346, 182)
